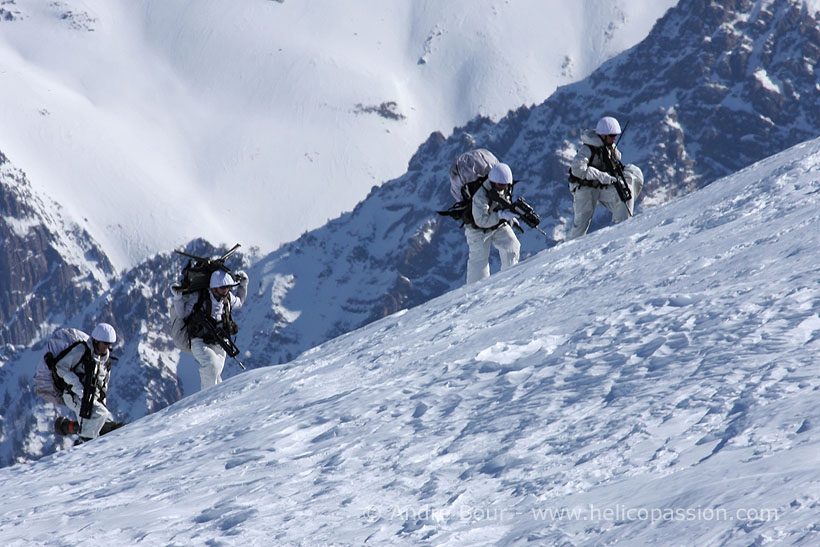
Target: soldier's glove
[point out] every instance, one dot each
(242, 277)
(176, 292)
(509, 216)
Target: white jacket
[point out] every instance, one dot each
(485, 214)
(594, 171)
(69, 369)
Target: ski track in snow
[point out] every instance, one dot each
(666, 362)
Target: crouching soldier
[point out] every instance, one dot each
(81, 369)
(208, 321)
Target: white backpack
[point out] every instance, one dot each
(468, 169)
(179, 332)
(47, 385)
(467, 175)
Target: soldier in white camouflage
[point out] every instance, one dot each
(593, 177)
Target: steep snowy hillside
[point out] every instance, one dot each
(394, 252)
(154, 122)
(654, 383)
(255, 121)
(50, 270)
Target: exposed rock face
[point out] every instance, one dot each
(50, 270)
(48, 267)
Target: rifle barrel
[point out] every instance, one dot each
(229, 253)
(622, 132)
(189, 255)
(220, 259)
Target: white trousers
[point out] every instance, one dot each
(479, 241)
(90, 427)
(211, 359)
(586, 198)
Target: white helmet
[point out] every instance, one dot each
(500, 174)
(221, 279)
(608, 126)
(104, 333)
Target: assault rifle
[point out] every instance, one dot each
(89, 386)
(521, 208)
(223, 339)
(614, 166)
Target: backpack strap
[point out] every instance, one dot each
(469, 189)
(608, 162)
(90, 385)
(228, 324)
(104, 387)
(202, 308)
(464, 209)
(51, 362)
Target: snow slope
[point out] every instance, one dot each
(653, 383)
(691, 91)
(157, 122)
(691, 122)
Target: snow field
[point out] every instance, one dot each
(649, 382)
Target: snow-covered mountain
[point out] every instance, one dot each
(122, 111)
(50, 270)
(155, 122)
(393, 252)
(653, 383)
(49, 267)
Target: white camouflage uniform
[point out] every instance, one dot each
(211, 357)
(68, 368)
(492, 231)
(599, 188)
